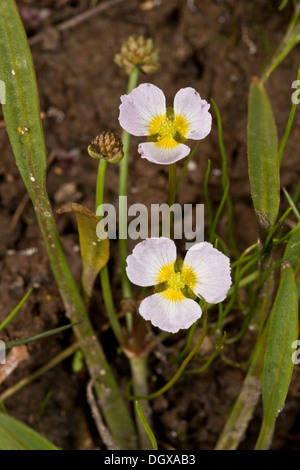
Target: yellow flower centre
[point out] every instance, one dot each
(176, 281)
(168, 130)
(190, 276)
(165, 273)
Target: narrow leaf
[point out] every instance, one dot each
(45, 334)
(94, 252)
(292, 256)
(15, 435)
(15, 310)
(21, 109)
(292, 204)
(146, 426)
(263, 163)
(278, 364)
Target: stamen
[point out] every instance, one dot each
(176, 281)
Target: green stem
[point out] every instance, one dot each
(172, 195)
(111, 402)
(225, 185)
(100, 182)
(206, 198)
(104, 275)
(288, 126)
(289, 41)
(146, 426)
(138, 367)
(138, 364)
(181, 175)
(123, 190)
(15, 310)
(182, 366)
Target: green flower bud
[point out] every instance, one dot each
(138, 52)
(108, 146)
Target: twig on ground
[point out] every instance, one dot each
(17, 355)
(72, 22)
(102, 429)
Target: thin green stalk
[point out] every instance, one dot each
(237, 279)
(291, 203)
(181, 368)
(225, 184)
(15, 310)
(139, 373)
(288, 42)
(181, 174)
(288, 126)
(210, 359)
(172, 195)
(123, 190)
(100, 182)
(219, 211)
(138, 364)
(206, 198)
(123, 184)
(109, 304)
(146, 426)
(243, 258)
(31, 339)
(104, 275)
(188, 343)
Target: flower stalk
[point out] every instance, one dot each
(288, 42)
(24, 128)
(104, 275)
(172, 195)
(123, 191)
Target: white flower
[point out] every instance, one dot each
(205, 272)
(143, 113)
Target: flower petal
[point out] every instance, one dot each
(138, 109)
(164, 156)
(169, 315)
(212, 270)
(188, 103)
(148, 260)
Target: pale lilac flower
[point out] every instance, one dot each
(143, 113)
(205, 272)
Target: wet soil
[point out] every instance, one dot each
(214, 46)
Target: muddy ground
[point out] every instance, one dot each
(215, 47)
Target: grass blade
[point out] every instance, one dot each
(278, 365)
(263, 165)
(15, 310)
(146, 426)
(14, 435)
(45, 334)
(22, 109)
(292, 256)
